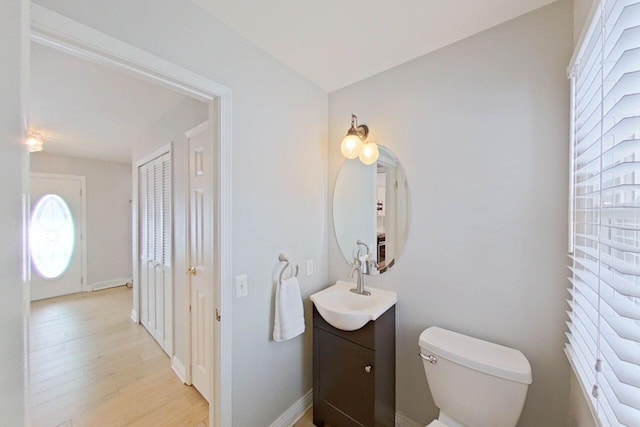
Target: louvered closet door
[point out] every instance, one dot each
(143, 244)
(150, 264)
(167, 255)
(158, 285)
(155, 242)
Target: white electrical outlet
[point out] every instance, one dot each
(242, 286)
(309, 267)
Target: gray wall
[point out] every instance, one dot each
(13, 172)
(581, 9)
(108, 213)
(279, 180)
(482, 129)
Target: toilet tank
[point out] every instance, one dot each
(476, 383)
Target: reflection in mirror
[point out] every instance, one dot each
(371, 204)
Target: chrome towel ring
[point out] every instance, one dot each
(283, 258)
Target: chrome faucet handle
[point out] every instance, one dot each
(361, 243)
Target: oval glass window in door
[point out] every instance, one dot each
(51, 236)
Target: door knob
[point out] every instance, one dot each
(367, 369)
(192, 271)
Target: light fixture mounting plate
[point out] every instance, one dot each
(362, 131)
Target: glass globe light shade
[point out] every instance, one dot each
(369, 154)
(351, 146)
(34, 144)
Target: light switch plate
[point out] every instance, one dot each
(242, 286)
(309, 267)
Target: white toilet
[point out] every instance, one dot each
(474, 383)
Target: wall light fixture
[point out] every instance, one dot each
(35, 142)
(353, 145)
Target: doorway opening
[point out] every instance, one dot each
(51, 30)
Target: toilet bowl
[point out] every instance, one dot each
(474, 383)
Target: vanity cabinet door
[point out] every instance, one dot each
(344, 382)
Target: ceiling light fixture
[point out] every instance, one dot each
(34, 142)
(353, 144)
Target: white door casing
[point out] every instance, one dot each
(201, 244)
(71, 189)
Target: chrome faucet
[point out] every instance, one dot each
(361, 268)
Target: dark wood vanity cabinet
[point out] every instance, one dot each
(354, 373)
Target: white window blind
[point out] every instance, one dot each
(604, 317)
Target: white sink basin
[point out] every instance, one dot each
(347, 311)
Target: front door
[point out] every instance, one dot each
(55, 235)
(201, 256)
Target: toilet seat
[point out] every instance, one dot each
(437, 423)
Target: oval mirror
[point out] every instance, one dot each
(371, 205)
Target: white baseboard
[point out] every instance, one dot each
(108, 284)
(134, 315)
(300, 407)
(295, 411)
(179, 369)
(403, 421)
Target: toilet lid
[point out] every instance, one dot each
(437, 423)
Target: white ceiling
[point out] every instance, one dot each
(87, 110)
(336, 42)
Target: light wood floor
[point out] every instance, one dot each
(306, 420)
(91, 366)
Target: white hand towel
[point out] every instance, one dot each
(289, 318)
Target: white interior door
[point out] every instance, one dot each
(55, 235)
(155, 249)
(201, 256)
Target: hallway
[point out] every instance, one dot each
(92, 366)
